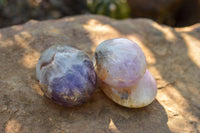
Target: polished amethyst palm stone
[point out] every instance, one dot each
(121, 67)
(139, 95)
(119, 62)
(66, 75)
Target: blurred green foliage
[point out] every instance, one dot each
(118, 9)
(3, 3)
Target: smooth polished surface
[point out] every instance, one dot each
(172, 56)
(139, 95)
(66, 75)
(119, 62)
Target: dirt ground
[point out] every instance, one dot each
(172, 55)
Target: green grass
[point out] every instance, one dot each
(118, 9)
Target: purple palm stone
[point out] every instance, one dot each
(119, 62)
(121, 67)
(66, 75)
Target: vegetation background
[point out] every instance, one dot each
(176, 13)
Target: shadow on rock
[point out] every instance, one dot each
(36, 113)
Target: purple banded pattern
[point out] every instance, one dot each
(67, 75)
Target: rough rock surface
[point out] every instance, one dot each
(172, 55)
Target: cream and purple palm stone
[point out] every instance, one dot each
(120, 65)
(66, 75)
